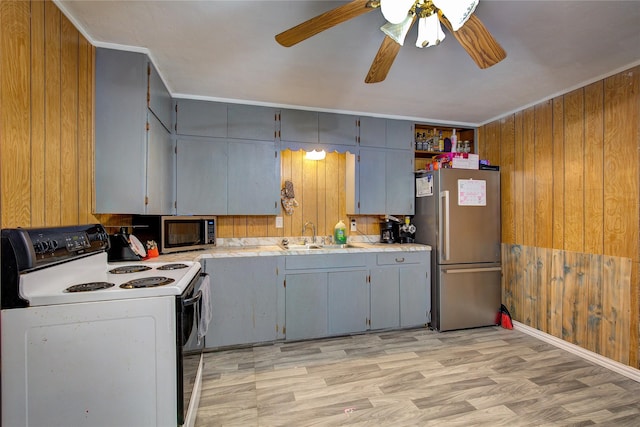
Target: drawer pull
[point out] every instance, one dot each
(399, 259)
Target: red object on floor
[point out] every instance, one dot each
(506, 321)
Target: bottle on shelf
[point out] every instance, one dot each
(441, 142)
(454, 142)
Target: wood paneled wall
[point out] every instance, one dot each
(320, 192)
(570, 206)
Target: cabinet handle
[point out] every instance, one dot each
(399, 259)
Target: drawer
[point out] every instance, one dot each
(395, 258)
(304, 262)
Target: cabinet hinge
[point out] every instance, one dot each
(175, 149)
(358, 158)
(176, 108)
(284, 283)
(284, 330)
(358, 122)
(275, 153)
(146, 200)
(175, 205)
(358, 139)
(148, 126)
(369, 278)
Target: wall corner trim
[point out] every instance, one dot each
(598, 359)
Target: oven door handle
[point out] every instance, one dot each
(193, 300)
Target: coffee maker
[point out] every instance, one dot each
(389, 230)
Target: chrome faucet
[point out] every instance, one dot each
(313, 228)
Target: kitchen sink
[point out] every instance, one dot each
(314, 246)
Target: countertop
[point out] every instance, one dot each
(235, 250)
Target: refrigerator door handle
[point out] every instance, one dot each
(471, 270)
(444, 233)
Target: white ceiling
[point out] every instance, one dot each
(225, 50)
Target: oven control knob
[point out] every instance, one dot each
(39, 247)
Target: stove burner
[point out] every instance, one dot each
(91, 286)
(129, 269)
(147, 282)
(173, 266)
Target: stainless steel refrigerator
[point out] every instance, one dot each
(458, 215)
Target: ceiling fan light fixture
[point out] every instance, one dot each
(456, 11)
(396, 11)
(398, 32)
(429, 31)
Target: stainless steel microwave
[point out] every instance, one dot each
(176, 233)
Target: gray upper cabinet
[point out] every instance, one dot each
(201, 118)
(202, 176)
(159, 97)
(373, 132)
(399, 134)
(127, 146)
(251, 122)
(299, 126)
(161, 173)
(253, 178)
(379, 181)
(337, 129)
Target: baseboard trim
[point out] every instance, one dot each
(596, 358)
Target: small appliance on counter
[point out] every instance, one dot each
(388, 231)
(125, 247)
(407, 231)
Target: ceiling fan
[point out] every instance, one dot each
(456, 15)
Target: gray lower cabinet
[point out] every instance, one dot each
(325, 295)
(385, 298)
(347, 301)
(400, 290)
(243, 300)
(201, 176)
(306, 297)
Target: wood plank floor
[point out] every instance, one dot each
(487, 376)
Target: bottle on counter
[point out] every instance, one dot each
(340, 233)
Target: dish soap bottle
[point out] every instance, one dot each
(340, 233)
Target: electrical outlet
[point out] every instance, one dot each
(279, 222)
(354, 227)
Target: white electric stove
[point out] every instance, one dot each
(88, 343)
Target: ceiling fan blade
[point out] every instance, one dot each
(384, 58)
(382, 62)
(477, 41)
(324, 21)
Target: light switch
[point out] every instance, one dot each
(279, 222)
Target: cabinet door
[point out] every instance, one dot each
(399, 182)
(161, 170)
(251, 122)
(385, 298)
(201, 118)
(120, 131)
(400, 134)
(159, 97)
(337, 129)
(202, 176)
(348, 301)
(299, 126)
(372, 181)
(253, 178)
(415, 298)
(243, 300)
(373, 132)
(305, 305)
